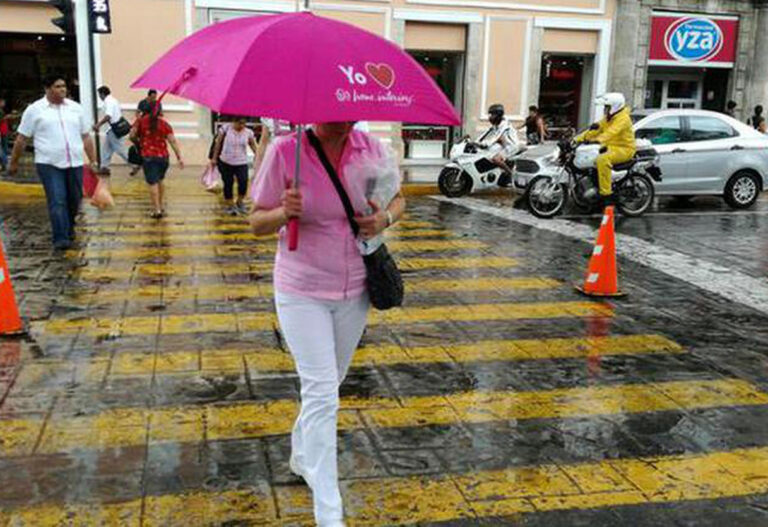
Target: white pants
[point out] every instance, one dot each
(112, 145)
(322, 336)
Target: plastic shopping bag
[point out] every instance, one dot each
(102, 197)
(211, 179)
(90, 180)
(373, 178)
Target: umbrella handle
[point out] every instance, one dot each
(293, 223)
(293, 234)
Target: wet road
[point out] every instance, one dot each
(156, 389)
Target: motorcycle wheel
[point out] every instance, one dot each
(635, 195)
(546, 198)
(453, 182)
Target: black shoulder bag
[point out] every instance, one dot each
(121, 128)
(385, 284)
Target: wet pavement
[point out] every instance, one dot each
(155, 389)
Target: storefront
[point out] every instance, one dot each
(566, 80)
(441, 51)
(691, 57)
(31, 47)
(669, 57)
(554, 52)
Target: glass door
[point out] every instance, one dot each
(680, 91)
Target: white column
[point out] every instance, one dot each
(83, 64)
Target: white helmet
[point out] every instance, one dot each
(616, 101)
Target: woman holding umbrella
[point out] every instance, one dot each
(320, 291)
(338, 74)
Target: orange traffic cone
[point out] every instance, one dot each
(602, 279)
(10, 322)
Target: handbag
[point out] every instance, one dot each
(121, 128)
(383, 278)
(134, 156)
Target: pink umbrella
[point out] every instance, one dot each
(301, 68)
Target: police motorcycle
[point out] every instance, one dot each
(472, 168)
(572, 172)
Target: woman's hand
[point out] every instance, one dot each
(292, 203)
(374, 223)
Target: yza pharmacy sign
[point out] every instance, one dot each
(690, 40)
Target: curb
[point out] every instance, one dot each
(8, 188)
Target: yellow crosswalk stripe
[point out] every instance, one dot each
(264, 290)
(119, 228)
(189, 238)
(224, 361)
(264, 321)
(423, 499)
(123, 427)
(198, 219)
(113, 272)
(212, 250)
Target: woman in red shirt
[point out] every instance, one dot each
(154, 134)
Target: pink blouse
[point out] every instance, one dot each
(327, 264)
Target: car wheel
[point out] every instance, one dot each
(454, 182)
(742, 190)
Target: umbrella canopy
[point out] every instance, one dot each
(302, 68)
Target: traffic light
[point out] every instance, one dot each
(66, 22)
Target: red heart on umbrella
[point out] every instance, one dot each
(381, 73)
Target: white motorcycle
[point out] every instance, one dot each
(472, 168)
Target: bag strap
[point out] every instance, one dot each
(315, 142)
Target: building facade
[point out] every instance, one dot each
(692, 54)
(550, 53)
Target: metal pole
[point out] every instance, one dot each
(92, 60)
(299, 132)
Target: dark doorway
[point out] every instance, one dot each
(447, 70)
(26, 58)
(715, 89)
(560, 92)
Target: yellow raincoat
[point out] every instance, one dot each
(617, 135)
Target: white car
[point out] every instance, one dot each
(701, 153)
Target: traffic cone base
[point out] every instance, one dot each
(10, 322)
(617, 294)
(601, 279)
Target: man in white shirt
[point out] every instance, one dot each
(60, 132)
(112, 144)
(498, 138)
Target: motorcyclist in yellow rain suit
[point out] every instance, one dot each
(616, 136)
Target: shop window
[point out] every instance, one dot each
(662, 131)
(447, 70)
(710, 129)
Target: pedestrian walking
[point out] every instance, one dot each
(535, 129)
(757, 118)
(154, 134)
(230, 155)
(5, 132)
(730, 109)
(320, 289)
(150, 101)
(118, 128)
(59, 129)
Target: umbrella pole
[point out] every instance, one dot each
(293, 223)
